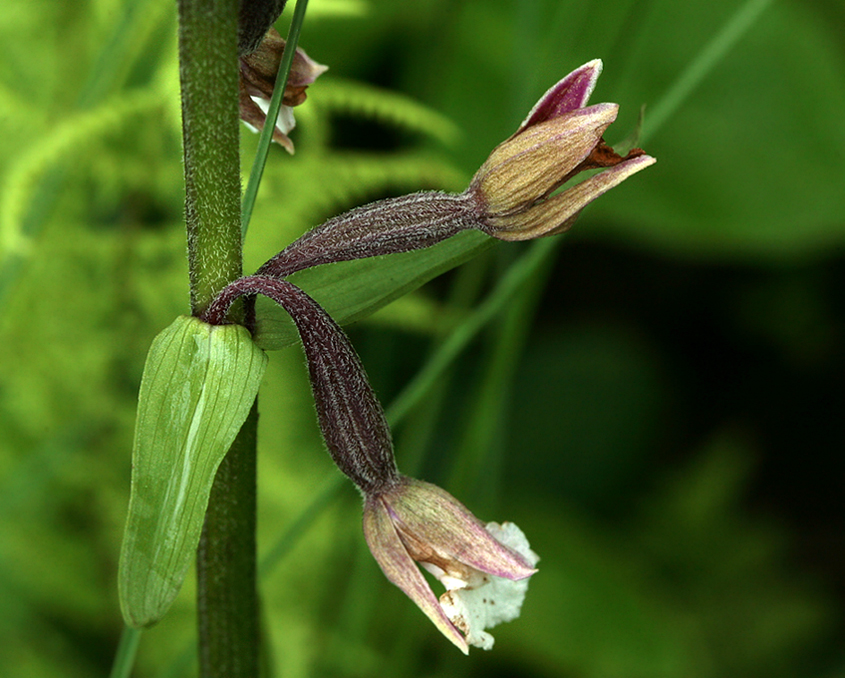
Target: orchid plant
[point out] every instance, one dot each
(515, 195)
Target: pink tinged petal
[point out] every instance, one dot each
(304, 70)
(443, 532)
(527, 167)
(398, 566)
(557, 214)
(571, 93)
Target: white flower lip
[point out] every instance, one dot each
(487, 600)
(485, 568)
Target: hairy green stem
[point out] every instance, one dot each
(208, 68)
(226, 570)
(227, 602)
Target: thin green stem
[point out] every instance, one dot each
(272, 113)
(127, 648)
(419, 430)
(476, 470)
(700, 67)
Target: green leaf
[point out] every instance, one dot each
(198, 386)
(750, 166)
(352, 290)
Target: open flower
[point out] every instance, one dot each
(511, 197)
(484, 568)
(258, 78)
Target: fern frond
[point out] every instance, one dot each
(346, 96)
(126, 42)
(351, 178)
(52, 149)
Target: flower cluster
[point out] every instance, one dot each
(484, 567)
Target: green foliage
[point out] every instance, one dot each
(56, 148)
(665, 433)
(198, 386)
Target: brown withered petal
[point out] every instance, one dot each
(259, 70)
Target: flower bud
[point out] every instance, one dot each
(483, 567)
(258, 78)
(509, 198)
(560, 138)
(534, 162)
(556, 214)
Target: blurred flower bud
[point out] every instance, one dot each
(258, 78)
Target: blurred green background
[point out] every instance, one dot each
(660, 410)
